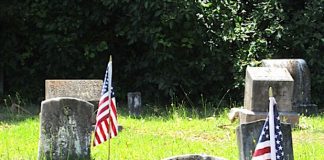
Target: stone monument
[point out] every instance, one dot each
(298, 69)
(248, 136)
(65, 129)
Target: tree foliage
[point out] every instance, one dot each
(163, 48)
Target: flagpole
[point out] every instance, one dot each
(271, 125)
(109, 102)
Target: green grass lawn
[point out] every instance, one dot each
(157, 137)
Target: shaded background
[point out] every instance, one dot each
(168, 50)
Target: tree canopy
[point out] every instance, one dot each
(164, 48)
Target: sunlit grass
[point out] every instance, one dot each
(157, 137)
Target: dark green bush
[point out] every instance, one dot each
(165, 49)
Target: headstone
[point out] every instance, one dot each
(248, 136)
(88, 90)
(256, 95)
(194, 157)
(1, 81)
(65, 129)
(134, 103)
(298, 69)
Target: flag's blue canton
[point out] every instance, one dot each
(265, 134)
(105, 85)
(278, 135)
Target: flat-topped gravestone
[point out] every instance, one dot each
(257, 82)
(65, 129)
(256, 95)
(298, 69)
(88, 90)
(248, 136)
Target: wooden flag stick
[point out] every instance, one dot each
(270, 92)
(109, 103)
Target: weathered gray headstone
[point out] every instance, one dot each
(194, 157)
(257, 83)
(88, 90)
(134, 103)
(65, 129)
(298, 69)
(1, 80)
(256, 95)
(248, 136)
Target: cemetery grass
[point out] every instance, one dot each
(161, 133)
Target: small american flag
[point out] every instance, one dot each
(106, 120)
(270, 146)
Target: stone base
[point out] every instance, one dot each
(247, 116)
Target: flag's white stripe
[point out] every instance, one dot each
(104, 127)
(261, 145)
(262, 157)
(103, 105)
(104, 96)
(96, 141)
(99, 117)
(272, 128)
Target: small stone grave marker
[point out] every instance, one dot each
(65, 129)
(134, 103)
(248, 136)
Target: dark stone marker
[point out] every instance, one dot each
(65, 129)
(194, 157)
(134, 103)
(248, 136)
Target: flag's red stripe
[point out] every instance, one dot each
(104, 118)
(103, 100)
(261, 151)
(107, 125)
(97, 138)
(102, 133)
(113, 126)
(102, 110)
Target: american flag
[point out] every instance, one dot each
(106, 120)
(270, 146)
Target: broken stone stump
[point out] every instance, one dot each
(248, 136)
(65, 129)
(256, 94)
(134, 103)
(298, 69)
